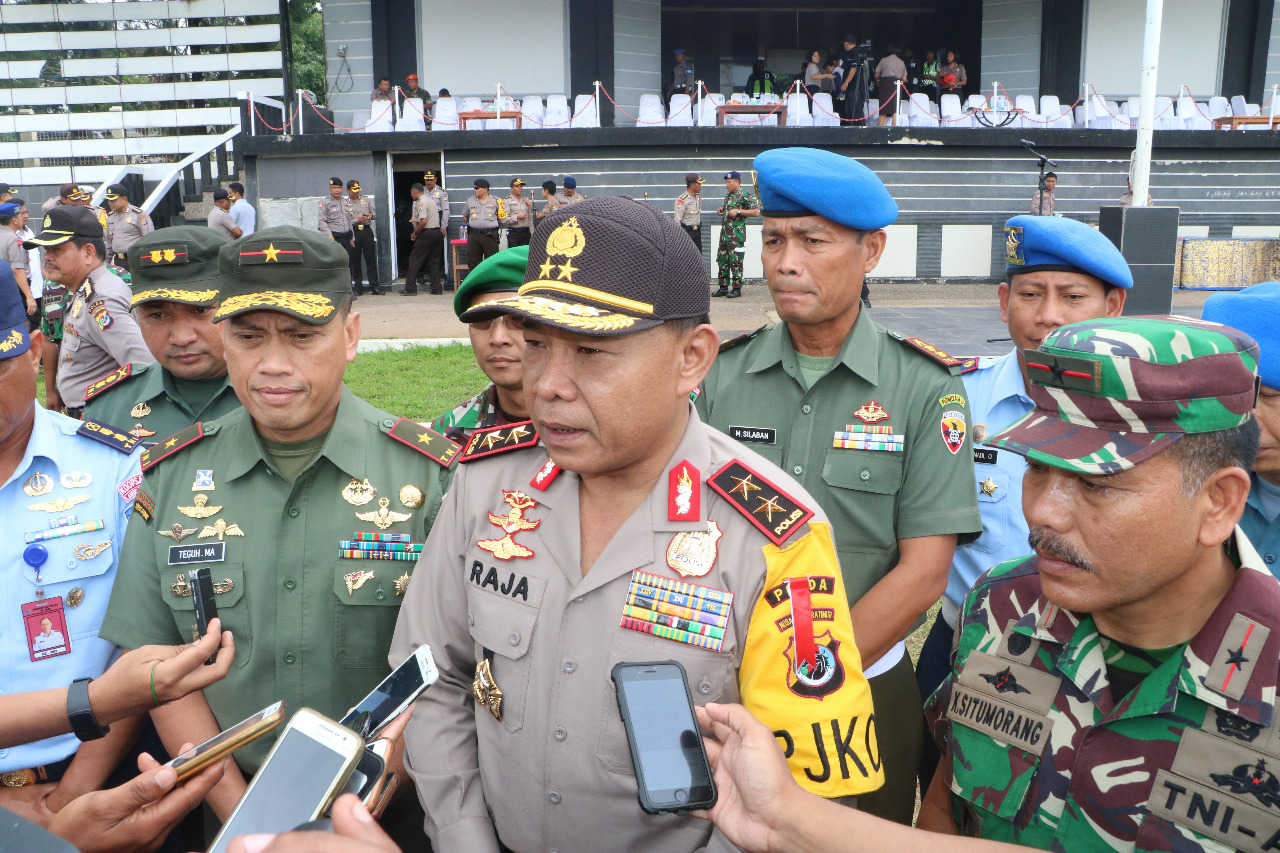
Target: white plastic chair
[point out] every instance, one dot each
(585, 112)
(681, 111)
(1051, 110)
(445, 115)
(557, 114)
(533, 110)
(798, 110)
(1238, 106)
(707, 112)
(358, 120)
(1219, 107)
(411, 116)
(1098, 116)
(974, 102)
(382, 116)
(824, 112)
(1027, 104)
(651, 112)
(918, 111)
(1166, 117)
(952, 113)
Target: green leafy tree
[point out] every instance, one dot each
(307, 24)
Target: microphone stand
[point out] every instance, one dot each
(1042, 161)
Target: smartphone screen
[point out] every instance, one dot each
(294, 783)
(672, 767)
(243, 732)
(394, 694)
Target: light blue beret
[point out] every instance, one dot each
(812, 182)
(1035, 243)
(1256, 312)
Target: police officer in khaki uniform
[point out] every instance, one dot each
(126, 224)
(99, 333)
(334, 221)
(519, 219)
(482, 214)
(428, 243)
(175, 292)
(441, 198)
(363, 244)
(287, 500)
(570, 195)
(873, 424)
(564, 540)
(689, 208)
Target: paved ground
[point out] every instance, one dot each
(958, 318)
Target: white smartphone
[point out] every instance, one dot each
(395, 694)
(302, 775)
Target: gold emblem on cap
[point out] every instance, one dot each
(411, 496)
(358, 492)
(567, 241)
(11, 342)
(140, 411)
(38, 484)
(1013, 246)
(48, 221)
(200, 510)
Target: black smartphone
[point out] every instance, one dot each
(202, 595)
(671, 764)
(366, 780)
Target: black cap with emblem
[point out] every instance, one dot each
(177, 264)
(294, 271)
(607, 266)
(64, 222)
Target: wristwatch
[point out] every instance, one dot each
(84, 723)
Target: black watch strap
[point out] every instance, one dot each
(84, 723)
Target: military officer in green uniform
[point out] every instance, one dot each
(1116, 690)
(874, 425)
(498, 343)
(738, 205)
(309, 505)
(175, 293)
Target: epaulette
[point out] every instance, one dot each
(499, 439)
(920, 345)
(425, 440)
(782, 514)
(112, 379)
(173, 444)
(107, 434)
(969, 365)
(739, 340)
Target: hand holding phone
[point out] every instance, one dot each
(672, 771)
(245, 732)
(395, 694)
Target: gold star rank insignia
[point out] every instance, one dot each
(988, 486)
(745, 487)
(272, 253)
(783, 514)
(769, 506)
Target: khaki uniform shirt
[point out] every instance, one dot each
(552, 205)
(485, 214)
(689, 209)
(1043, 206)
(11, 251)
(99, 335)
(562, 199)
(441, 198)
(362, 206)
(303, 635)
(144, 401)
(220, 220)
(874, 497)
(426, 212)
(125, 229)
(514, 205)
(333, 216)
(556, 772)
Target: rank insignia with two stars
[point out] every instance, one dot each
(772, 511)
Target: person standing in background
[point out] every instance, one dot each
(519, 219)
(242, 213)
(126, 224)
(220, 216)
(689, 208)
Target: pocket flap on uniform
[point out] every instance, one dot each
(876, 471)
(501, 626)
(370, 583)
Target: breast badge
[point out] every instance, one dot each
(58, 504)
(140, 411)
(38, 485)
(692, 553)
(88, 552)
(76, 480)
(201, 509)
(871, 412)
(358, 492)
(177, 533)
(75, 598)
(507, 548)
(220, 528)
(355, 580)
(383, 516)
(486, 690)
(402, 583)
(203, 481)
(140, 432)
(411, 496)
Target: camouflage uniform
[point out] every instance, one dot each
(733, 236)
(480, 412)
(1062, 738)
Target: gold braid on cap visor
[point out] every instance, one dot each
(170, 295)
(306, 304)
(619, 302)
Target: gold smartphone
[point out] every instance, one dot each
(305, 770)
(220, 746)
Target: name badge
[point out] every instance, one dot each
(213, 552)
(760, 435)
(984, 456)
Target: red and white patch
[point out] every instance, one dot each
(953, 430)
(684, 493)
(129, 488)
(545, 477)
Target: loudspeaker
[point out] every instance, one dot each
(1148, 239)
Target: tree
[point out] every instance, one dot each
(306, 22)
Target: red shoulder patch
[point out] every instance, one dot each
(499, 439)
(425, 440)
(773, 512)
(113, 378)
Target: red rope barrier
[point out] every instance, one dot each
(371, 123)
(267, 124)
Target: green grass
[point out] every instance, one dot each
(419, 383)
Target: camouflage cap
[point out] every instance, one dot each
(291, 270)
(1114, 392)
(610, 265)
(177, 264)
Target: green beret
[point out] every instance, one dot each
(500, 273)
